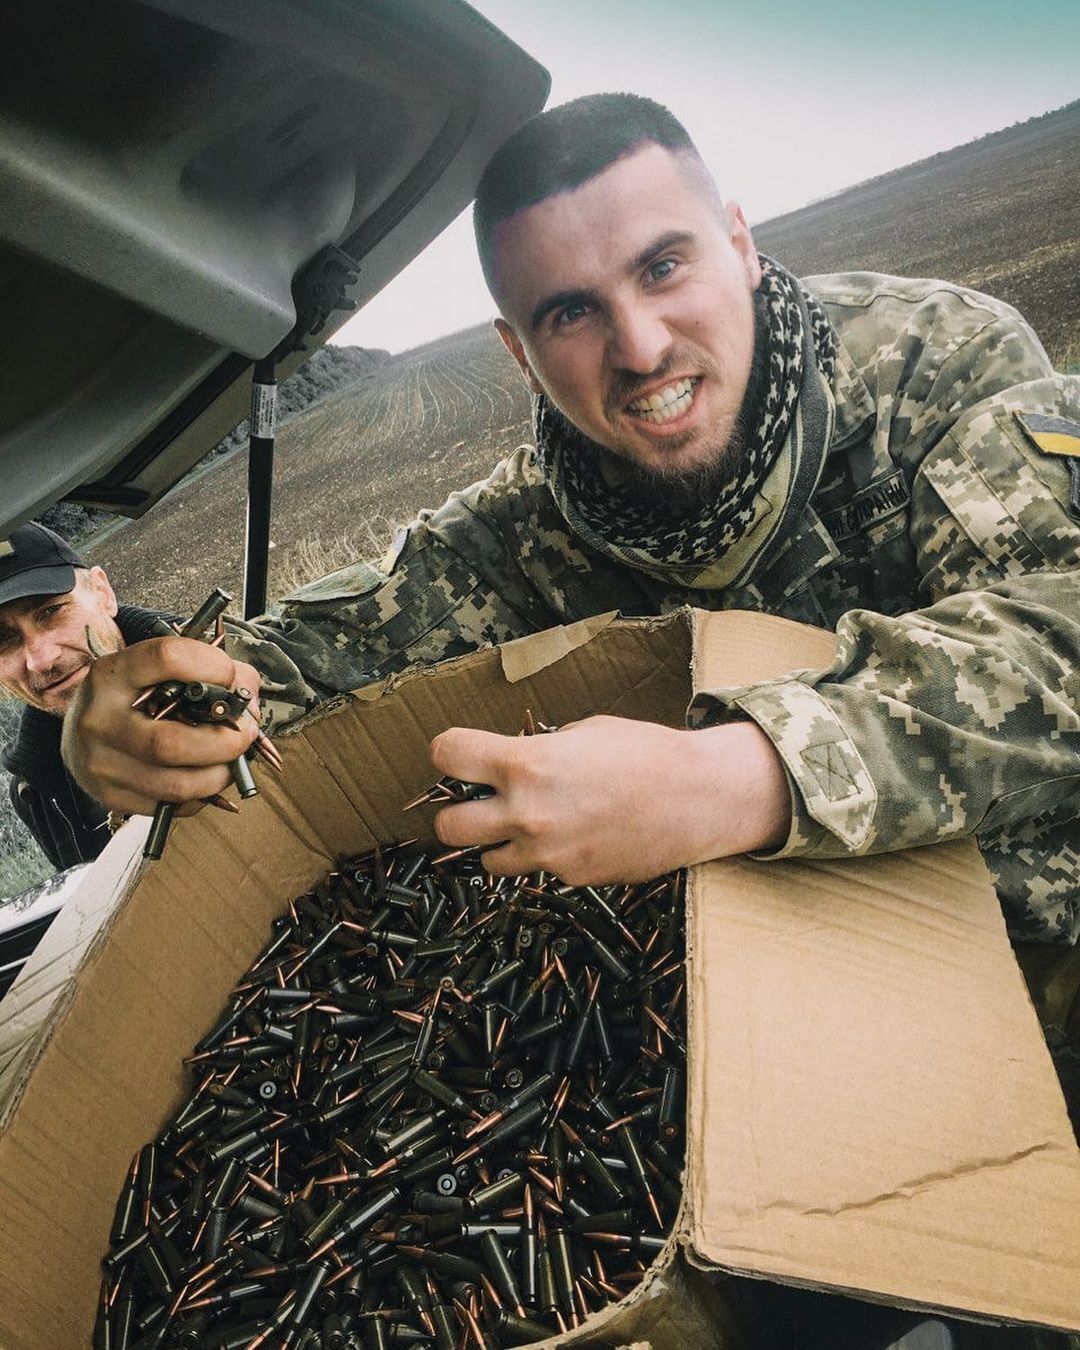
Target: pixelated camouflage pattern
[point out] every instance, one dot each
(938, 544)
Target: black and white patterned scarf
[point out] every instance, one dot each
(649, 534)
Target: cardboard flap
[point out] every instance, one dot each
(529, 655)
(872, 1106)
(736, 647)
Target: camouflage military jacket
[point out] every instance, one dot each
(932, 533)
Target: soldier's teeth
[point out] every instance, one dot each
(666, 404)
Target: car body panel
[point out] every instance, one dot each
(168, 172)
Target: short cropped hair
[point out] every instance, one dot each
(559, 150)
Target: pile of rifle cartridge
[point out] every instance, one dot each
(442, 1109)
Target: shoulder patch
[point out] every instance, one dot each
(1052, 435)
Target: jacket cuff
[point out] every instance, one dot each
(833, 797)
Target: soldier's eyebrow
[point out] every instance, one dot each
(585, 296)
(560, 300)
(27, 605)
(659, 246)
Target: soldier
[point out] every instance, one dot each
(890, 458)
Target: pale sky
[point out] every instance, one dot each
(787, 102)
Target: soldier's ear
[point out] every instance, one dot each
(743, 243)
(513, 345)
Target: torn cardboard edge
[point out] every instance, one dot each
(35, 1002)
(809, 983)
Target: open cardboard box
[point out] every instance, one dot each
(871, 1105)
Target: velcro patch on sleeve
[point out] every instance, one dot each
(1051, 435)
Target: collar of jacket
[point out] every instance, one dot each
(788, 543)
(34, 754)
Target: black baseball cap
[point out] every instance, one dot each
(34, 561)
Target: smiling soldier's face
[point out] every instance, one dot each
(44, 654)
(629, 302)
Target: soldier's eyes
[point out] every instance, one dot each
(571, 313)
(661, 269)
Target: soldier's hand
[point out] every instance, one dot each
(129, 762)
(609, 799)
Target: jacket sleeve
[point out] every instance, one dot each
(962, 717)
(448, 586)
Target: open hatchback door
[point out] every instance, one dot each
(188, 186)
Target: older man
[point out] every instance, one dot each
(55, 612)
(891, 458)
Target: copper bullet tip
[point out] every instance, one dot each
(222, 803)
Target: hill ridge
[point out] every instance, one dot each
(986, 141)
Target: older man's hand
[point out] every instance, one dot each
(129, 762)
(609, 799)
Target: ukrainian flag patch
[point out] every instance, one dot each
(1051, 435)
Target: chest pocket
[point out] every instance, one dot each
(876, 567)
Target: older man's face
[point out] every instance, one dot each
(629, 301)
(44, 652)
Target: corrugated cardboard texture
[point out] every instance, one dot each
(872, 1107)
(872, 1104)
(44, 983)
(137, 975)
(527, 656)
(736, 647)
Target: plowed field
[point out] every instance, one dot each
(1001, 214)
(346, 473)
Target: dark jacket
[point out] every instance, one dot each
(69, 825)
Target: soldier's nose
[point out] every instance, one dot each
(640, 340)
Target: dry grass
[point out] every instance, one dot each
(347, 473)
(1067, 357)
(313, 556)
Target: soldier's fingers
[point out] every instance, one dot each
(177, 658)
(468, 823)
(178, 745)
(476, 756)
(508, 860)
(247, 677)
(138, 793)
